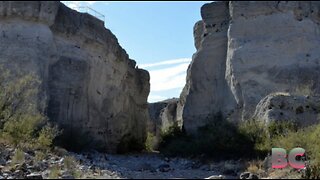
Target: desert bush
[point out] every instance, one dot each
(55, 172)
(150, 142)
(261, 134)
(255, 166)
(46, 136)
(257, 133)
(219, 139)
(18, 157)
(307, 138)
(279, 128)
(174, 142)
(70, 165)
(39, 156)
(22, 124)
(250, 139)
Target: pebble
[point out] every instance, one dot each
(164, 168)
(216, 177)
(34, 176)
(67, 177)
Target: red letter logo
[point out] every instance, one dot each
(292, 158)
(279, 158)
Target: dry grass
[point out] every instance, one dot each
(18, 157)
(286, 173)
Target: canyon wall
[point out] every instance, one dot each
(163, 116)
(90, 87)
(247, 53)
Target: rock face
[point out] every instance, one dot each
(163, 116)
(247, 51)
(90, 87)
(303, 110)
(207, 92)
(272, 47)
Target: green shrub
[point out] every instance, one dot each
(39, 156)
(256, 133)
(248, 139)
(55, 172)
(22, 123)
(70, 165)
(174, 142)
(307, 138)
(219, 139)
(46, 136)
(150, 142)
(21, 130)
(18, 157)
(278, 128)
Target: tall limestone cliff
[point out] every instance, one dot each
(248, 54)
(206, 92)
(89, 87)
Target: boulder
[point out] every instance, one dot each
(301, 110)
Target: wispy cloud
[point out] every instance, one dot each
(169, 62)
(167, 79)
(156, 98)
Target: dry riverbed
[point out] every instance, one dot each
(62, 164)
(151, 166)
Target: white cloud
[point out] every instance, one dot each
(168, 78)
(169, 62)
(165, 81)
(156, 98)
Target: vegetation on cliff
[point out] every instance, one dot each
(21, 122)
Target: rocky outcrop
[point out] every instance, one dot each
(90, 87)
(247, 51)
(155, 110)
(206, 92)
(302, 110)
(272, 47)
(163, 116)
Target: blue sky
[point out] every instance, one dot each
(157, 35)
